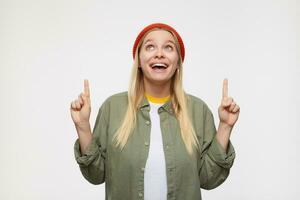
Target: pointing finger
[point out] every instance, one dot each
(227, 101)
(86, 88)
(225, 88)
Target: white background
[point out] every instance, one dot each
(47, 48)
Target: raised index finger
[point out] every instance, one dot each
(225, 88)
(86, 87)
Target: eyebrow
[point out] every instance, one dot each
(148, 40)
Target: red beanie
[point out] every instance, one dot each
(159, 25)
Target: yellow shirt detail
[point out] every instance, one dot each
(157, 99)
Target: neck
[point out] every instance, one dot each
(157, 90)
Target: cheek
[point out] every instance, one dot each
(142, 61)
(144, 58)
(174, 59)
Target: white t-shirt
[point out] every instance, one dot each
(155, 179)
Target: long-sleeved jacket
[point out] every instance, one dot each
(123, 171)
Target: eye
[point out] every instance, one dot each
(169, 47)
(149, 47)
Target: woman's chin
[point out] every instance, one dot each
(159, 79)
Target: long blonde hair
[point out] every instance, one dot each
(178, 99)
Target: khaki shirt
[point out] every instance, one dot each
(123, 171)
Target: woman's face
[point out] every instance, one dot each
(158, 56)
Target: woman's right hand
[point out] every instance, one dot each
(81, 109)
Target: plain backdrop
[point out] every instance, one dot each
(47, 49)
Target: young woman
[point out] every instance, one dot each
(155, 141)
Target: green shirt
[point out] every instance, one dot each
(123, 171)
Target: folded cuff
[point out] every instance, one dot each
(218, 154)
(92, 151)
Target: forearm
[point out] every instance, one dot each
(223, 135)
(84, 135)
(217, 159)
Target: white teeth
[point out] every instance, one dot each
(159, 64)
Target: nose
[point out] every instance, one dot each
(159, 53)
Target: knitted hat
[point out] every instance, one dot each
(159, 25)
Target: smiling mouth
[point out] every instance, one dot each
(159, 66)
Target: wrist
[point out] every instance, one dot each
(225, 126)
(83, 127)
(224, 130)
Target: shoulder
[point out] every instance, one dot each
(113, 105)
(116, 100)
(118, 97)
(198, 106)
(195, 101)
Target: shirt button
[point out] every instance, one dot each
(147, 122)
(143, 169)
(140, 194)
(167, 146)
(146, 143)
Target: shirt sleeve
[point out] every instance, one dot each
(92, 163)
(215, 163)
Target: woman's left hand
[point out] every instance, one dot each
(228, 110)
